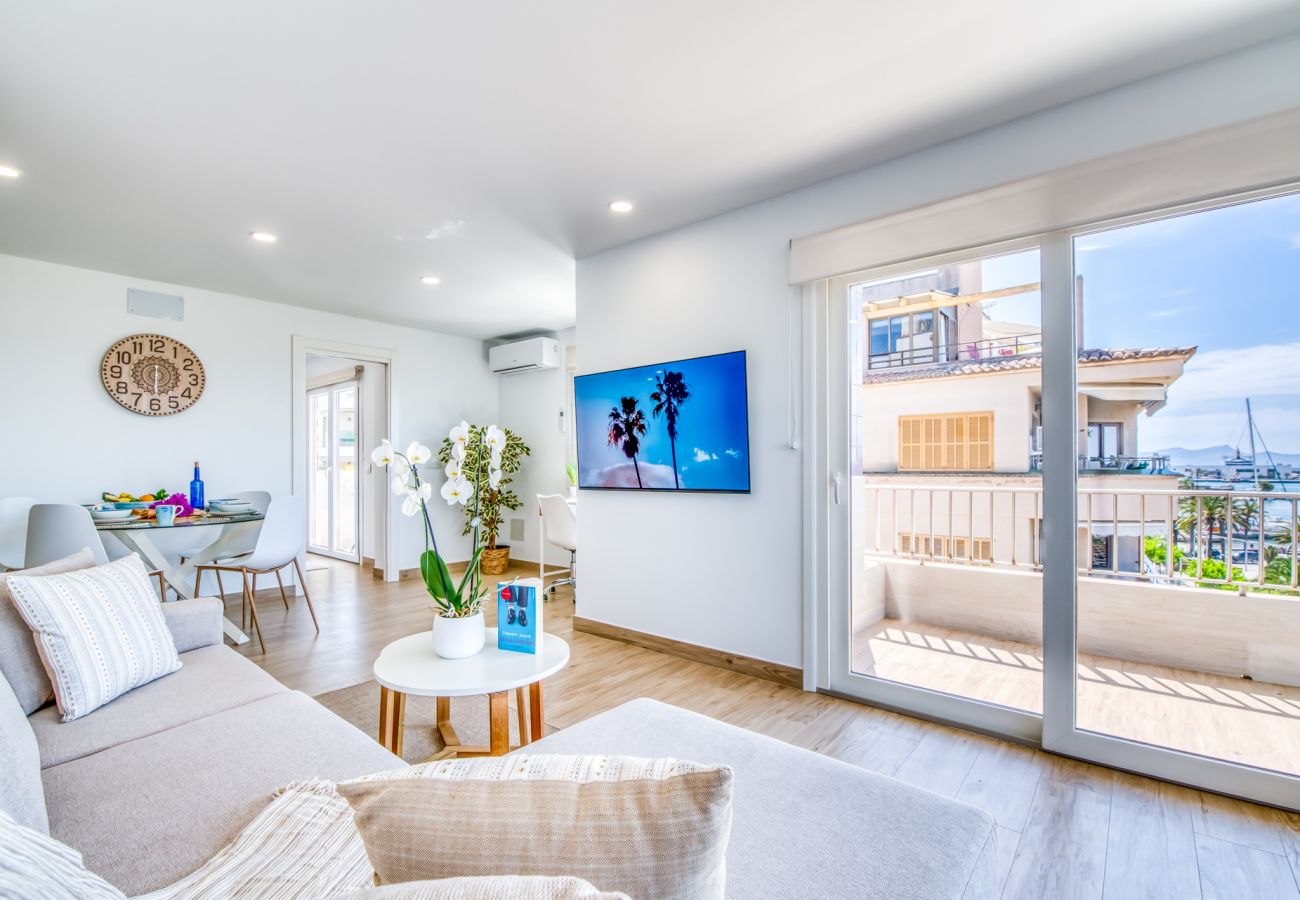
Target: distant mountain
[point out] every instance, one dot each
(1214, 456)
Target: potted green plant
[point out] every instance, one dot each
(572, 471)
(458, 625)
(480, 464)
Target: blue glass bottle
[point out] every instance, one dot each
(196, 488)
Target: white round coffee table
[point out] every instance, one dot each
(409, 666)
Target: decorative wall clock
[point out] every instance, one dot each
(152, 375)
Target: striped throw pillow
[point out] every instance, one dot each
(33, 864)
(100, 632)
(302, 845)
(647, 827)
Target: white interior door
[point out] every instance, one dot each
(334, 483)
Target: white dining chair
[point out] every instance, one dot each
(260, 501)
(281, 541)
(560, 525)
(58, 530)
(13, 530)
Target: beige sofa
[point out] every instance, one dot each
(152, 785)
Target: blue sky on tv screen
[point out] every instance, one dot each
(712, 443)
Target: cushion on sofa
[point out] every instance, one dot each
(303, 844)
(34, 865)
(99, 631)
(493, 887)
(194, 623)
(648, 827)
(21, 793)
(166, 804)
(20, 663)
(212, 680)
(804, 825)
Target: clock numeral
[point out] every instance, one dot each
(137, 346)
(115, 371)
(138, 398)
(173, 403)
(188, 365)
(194, 380)
(124, 357)
(155, 405)
(186, 393)
(121, 387)
(156, 345)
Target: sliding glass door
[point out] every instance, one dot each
(1068, 513)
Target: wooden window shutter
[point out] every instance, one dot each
(950, 442)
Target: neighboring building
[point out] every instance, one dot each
(951, 400)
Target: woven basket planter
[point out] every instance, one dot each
(495, 561)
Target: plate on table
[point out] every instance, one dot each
(233, 508)
(110, 515)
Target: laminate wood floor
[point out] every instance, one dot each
(1066, 828)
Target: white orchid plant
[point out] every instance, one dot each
(479, 463)
(451, 599)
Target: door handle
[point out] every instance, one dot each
(835, 487)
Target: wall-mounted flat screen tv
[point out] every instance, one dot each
(675, 426)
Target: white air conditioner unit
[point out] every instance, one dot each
(525, 356)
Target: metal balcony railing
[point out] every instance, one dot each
(987, 348)
(1227, 539)
(1151, 464)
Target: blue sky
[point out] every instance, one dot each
(1226, 281)
(712, 439)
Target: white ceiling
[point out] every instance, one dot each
(388, 139)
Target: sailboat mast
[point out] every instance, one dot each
(1250, 428)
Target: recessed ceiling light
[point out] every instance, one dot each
(264, 237)
(620, 206)
(430, 279)
(9, 172)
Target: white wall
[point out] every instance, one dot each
(530, 404)
(724, 570)
(65, 440)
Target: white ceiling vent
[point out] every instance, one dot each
(154, 305)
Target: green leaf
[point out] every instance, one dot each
(469, 571)
(436, 577)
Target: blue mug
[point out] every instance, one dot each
(166, 515)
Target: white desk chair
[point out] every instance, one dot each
(13, 530)
(281, 541)
(56, 530)
(560, 527)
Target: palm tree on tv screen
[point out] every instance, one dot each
(626, 427)
(670, 393)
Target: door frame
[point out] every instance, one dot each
(386, 528)
(331, 391)
(828, 567)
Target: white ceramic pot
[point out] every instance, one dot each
(459, 638)
(573, 492)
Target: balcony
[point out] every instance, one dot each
(1177, 648)
(964, 351)
(1151, 464)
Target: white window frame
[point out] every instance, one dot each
(831, 557)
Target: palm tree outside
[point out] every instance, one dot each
(670, 393)
(626, 428)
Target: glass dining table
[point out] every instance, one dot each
(229, 533)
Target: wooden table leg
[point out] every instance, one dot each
(535, 709)
(499, 723)
(522, 712)
(392, 713)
